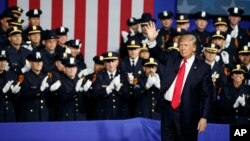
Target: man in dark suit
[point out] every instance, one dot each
(186, 89)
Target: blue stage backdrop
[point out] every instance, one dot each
(138, 129)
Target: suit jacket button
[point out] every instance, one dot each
(6, 102)
(114, 107)
(6, 96)
(41, 101)
(77, 110)
(41, 107)
(31, 110)
(153, 110)
(7, 108)
(76, 104)
(113, 100)
(66, 115)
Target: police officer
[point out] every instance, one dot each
(201, 34)
(237, 33)
(75, 47)
(17, 53)
(166, 31)
(147, 93)
(182, 21)
(8, 90)
(70, 93)
(4, 26)
(244, 60)
(34, 36)
(110, 90)
(16, 10)
(234, 99)
(144, 52)
(34, 92)
(62, 38)
(49, 50)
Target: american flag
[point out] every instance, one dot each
(97, 23)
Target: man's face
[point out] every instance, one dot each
(16, 39)
(150, 70)
(219, 41)
(201, 24)
(187, 48)
(209, 56)
(135, 27)
(184, 26)
(221, 27)
(62, 39)
(166, 23)
(36, 65)
(4, 24)
(34, 21)
(3, 64)
(234, 20)
(238, 77)
(74, 51)
(35, 38)
(71, 71)
(50, 44)
(98, 68)
(244, 59)
(111, 65)
(144, 54)
(133, 53)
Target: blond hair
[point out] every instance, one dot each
(188, 37)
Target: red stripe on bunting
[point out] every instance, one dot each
(149, 6)
(125, 13)
(57, 13)
(102, 27)
(34, 4)
(12, 3)
(80, 21)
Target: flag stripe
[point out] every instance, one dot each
(125, 13)
(114, 25)
(137, 8)
(25, 6)
(46, 19)
(69, 17)
(102, 27)
(80, 21)
(91, 31)
(34, 4)
(57, 11)
(149, 7)
(12, 3)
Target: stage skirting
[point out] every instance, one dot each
(137, 129)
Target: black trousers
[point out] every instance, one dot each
(170, 125)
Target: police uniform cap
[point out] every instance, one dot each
(62, 57)
(220, 21)
(239, 69)
(244, 50)
(16, 10)
(110, 56)
(179, 31)
(16, 22)
(62, 30)
(34, 29)
(219, 34)
(144, 47)
(165, 15)
(74, 43)
(146, 18)
(235, 11)
(13, 31)
(3, 55)
(133, 44)
(34, 13)
(172, 46)
(98, 59)
(132, 21)
(35, 56)
(202, 15)
(182, 18)
(212, 48)
(50, 34)
(150, 62)
(7, 13)
(70, 62)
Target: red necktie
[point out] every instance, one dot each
(178, 86)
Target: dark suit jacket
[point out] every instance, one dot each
(197, 90)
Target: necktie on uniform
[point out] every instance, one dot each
(178, 86)
(133, 65)
(111, 76)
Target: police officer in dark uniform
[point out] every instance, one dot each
(62, 38)
(34, 92)
(234, 99)
(166, 31)
(34, 36)
(8, 90)
(244, 60)
(70, 93)
(147, 91)
(132, 66)
(16, 10)
(111, 90)
(238, 34)
(16, 52)
(49, 50)
(4, 26)
(89, 80)
(16, 22)
(34, 20)
(75, 46)
(182, 21)
(201, 34)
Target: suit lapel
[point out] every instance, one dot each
(192, 72)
